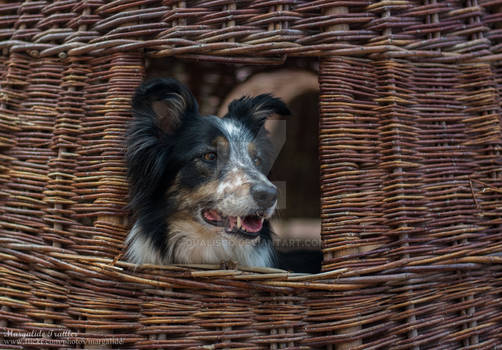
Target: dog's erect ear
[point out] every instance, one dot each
(168, 100)
(253, 111)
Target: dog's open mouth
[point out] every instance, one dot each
(247, 226)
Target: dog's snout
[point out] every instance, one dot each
(264, 195)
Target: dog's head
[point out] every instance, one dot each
(208, 173)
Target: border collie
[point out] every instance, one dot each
(198, 184)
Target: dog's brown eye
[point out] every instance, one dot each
(209, 156)
(257, 161)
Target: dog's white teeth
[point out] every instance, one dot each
(262, 219)
(239, 222)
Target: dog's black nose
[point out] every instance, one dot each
(264, 195)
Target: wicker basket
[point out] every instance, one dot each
(410, 148)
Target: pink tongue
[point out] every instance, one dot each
(212, 215)
(252, 224)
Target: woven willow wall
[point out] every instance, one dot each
(411, 176)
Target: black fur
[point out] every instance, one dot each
(253, 111)
(152, 164)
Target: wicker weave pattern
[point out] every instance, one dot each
(228, 30)
(410, 141)
(435, 175)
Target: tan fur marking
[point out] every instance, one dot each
(190, 199)
(221, 144)
(252, 149)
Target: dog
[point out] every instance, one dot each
(198, 184)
